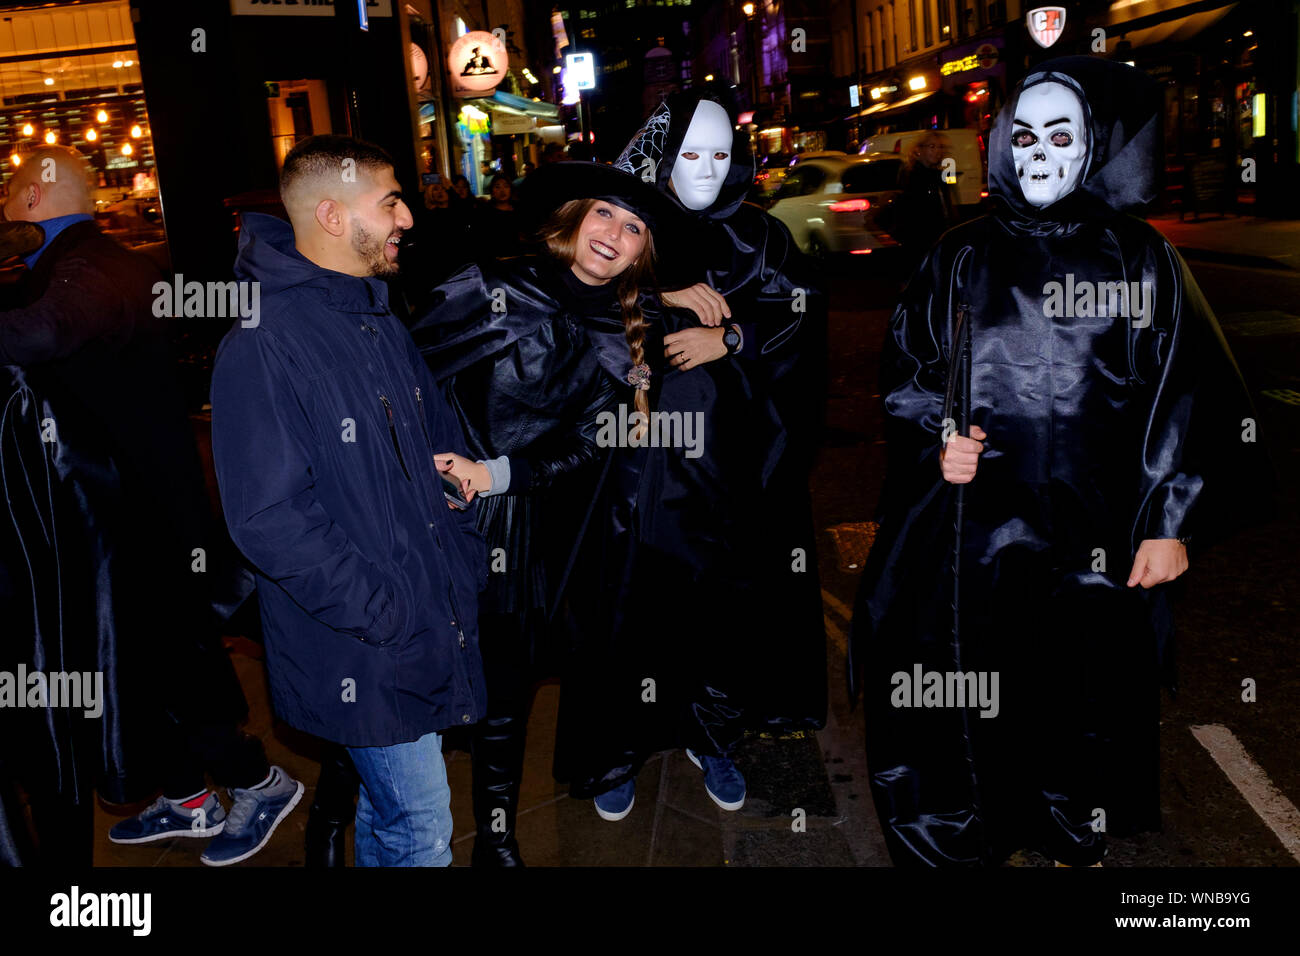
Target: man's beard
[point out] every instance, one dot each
(370, 249)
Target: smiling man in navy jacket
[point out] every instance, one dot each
(325, 421)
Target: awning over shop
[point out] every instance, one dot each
(503, 102)
(1146, 22)
(884, 109)
(512, 114)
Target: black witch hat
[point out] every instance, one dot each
(548, 188)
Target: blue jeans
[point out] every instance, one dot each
(404, 812)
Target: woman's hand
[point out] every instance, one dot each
(691, 347)
(709, 305)
(473, 477)
(1158, 561)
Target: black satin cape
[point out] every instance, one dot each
(778, 296)
(669, 585)
(84, 588)
(1102, 433)
(508, 345)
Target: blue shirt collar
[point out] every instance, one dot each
(52, 228)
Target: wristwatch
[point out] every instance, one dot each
(732, 339)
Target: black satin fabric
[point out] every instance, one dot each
(778, 297)
(671, 580)
(508, 346)
(1101, 435)
(55, 551)
(82, 589)
(104, 506)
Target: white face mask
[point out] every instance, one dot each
(1048, 142)
(704, 157)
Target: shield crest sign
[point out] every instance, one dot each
(1045, 24)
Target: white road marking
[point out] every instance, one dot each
(1249, 778)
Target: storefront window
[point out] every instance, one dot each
(298, 109)
(71, 76)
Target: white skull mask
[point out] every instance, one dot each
(704, 157)
(1049, 142)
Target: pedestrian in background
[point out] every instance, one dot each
(436, 246)
(496, 228)
(926, 209)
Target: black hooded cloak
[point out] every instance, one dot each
(777, 297)
(508, 344)
(1103, 430)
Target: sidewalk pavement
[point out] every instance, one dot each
(1235, 240)
(798, 812)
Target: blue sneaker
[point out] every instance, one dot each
(613, 805)
(199, 816)
(253, 818)
(722, 781)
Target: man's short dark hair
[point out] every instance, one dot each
(319, 156)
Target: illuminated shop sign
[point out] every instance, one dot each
(477, 63)
(984, 57)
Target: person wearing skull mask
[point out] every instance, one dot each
(706, 543)
(1063, 417)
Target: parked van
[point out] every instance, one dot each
(964, 146)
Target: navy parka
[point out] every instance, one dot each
(325, 420)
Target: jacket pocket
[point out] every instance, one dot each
(392, 433)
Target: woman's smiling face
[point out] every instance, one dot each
(609, 240)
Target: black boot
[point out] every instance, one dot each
(497, 750)
(333, 809)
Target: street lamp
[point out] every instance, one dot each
(749, 9)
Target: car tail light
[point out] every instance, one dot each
(860, 252)
(851, 205)
(984, 194)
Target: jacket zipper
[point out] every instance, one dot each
(392, 433)
(424, 421)
(424, 425)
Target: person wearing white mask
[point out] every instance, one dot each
(716, 524)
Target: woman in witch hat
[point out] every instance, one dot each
(719, 627)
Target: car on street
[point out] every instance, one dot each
(963, 147)
(834, 203)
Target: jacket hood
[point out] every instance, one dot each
(652, 153)
(267, 255)
(1123, 168)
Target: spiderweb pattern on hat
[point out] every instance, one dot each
(643, 154)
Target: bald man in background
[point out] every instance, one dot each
(124, 598)
(325, 421)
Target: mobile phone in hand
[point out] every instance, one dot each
(451, 491)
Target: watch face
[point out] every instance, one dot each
(731, 338)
